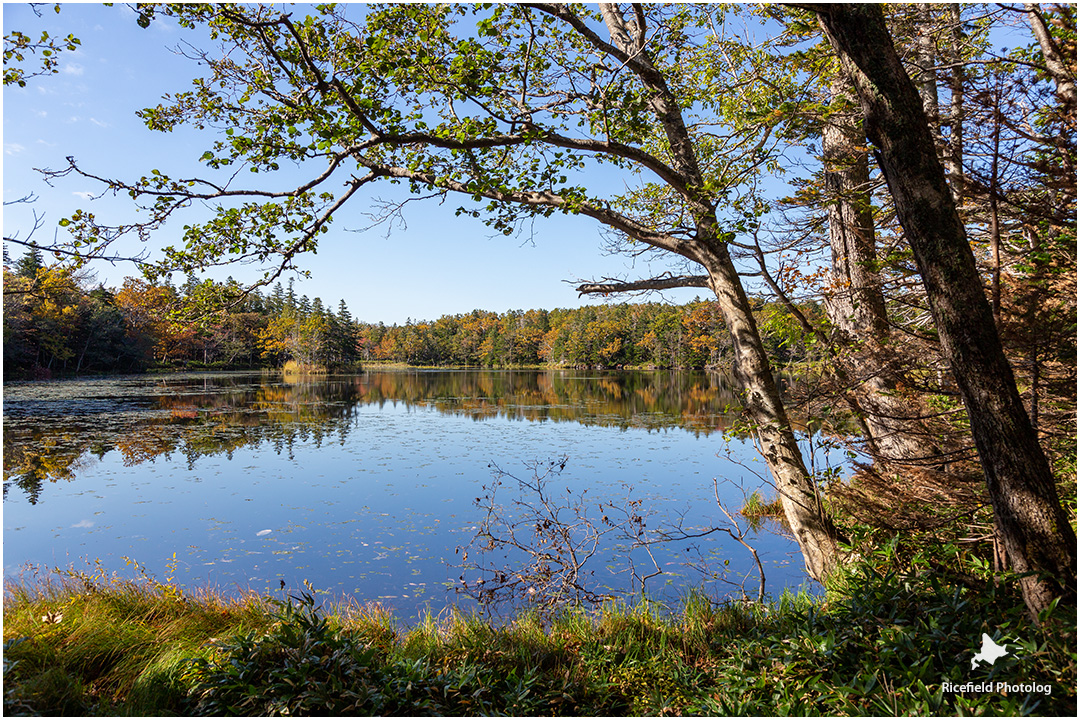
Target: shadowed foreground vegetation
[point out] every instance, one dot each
(882, 642)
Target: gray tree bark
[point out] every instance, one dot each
(1056, 64)
(926, 59)
(954, 157)
(854, 301)
(798, 492)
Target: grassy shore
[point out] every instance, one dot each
(882, 643)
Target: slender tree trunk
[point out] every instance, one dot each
(955, 154)
(1033, 411)
(995, 257)
(1035, 528)
(78, 365)
(798, 492)
(995, 225)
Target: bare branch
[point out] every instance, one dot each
(664, 282)
(790, 306)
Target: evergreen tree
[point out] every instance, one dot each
(28, 265)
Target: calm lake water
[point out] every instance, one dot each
(366, 485)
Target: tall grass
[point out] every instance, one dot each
(88, 643)
(883, 643)
(756, 509)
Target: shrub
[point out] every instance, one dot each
(301, 666)
(888, 645)
(305, 666)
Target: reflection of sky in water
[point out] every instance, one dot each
(375, 509)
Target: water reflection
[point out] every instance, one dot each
(51, 430)
(364, 484)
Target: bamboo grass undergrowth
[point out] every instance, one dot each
(881, 643)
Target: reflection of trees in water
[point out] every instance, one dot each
(700, 402)
(27, 464)
(188, 425)
(192, 417)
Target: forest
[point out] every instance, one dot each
(57, 324)
(919, 264)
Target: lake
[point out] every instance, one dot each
(368, 485)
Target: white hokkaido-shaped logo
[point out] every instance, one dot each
(990, 652)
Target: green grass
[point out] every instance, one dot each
(87, 643)
(756, 509)
(882, 643)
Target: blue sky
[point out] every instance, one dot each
(439, 264)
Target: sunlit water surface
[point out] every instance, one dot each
(366, 485)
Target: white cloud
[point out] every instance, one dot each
(99, 123)
(163, 25)
(83, 194)
(72, 69)
(158, 24)
(84, 524)
(13, 148)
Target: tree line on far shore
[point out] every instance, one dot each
(58, 323)
(651, 335)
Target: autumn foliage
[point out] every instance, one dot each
(55, 324)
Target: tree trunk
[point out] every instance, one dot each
(856, 303)
(955, 154)
(995, 224)
(1035, 528)
(798, 492)
(1057, 66)
(854, 300)
(1033, 413)
(78, 365)
(926, 59)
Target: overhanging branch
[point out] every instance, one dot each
(665, 282)
(540, 199)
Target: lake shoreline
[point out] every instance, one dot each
(82, 645)
(884, 638)
(380, 365)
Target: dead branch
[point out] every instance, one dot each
(663, 282)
